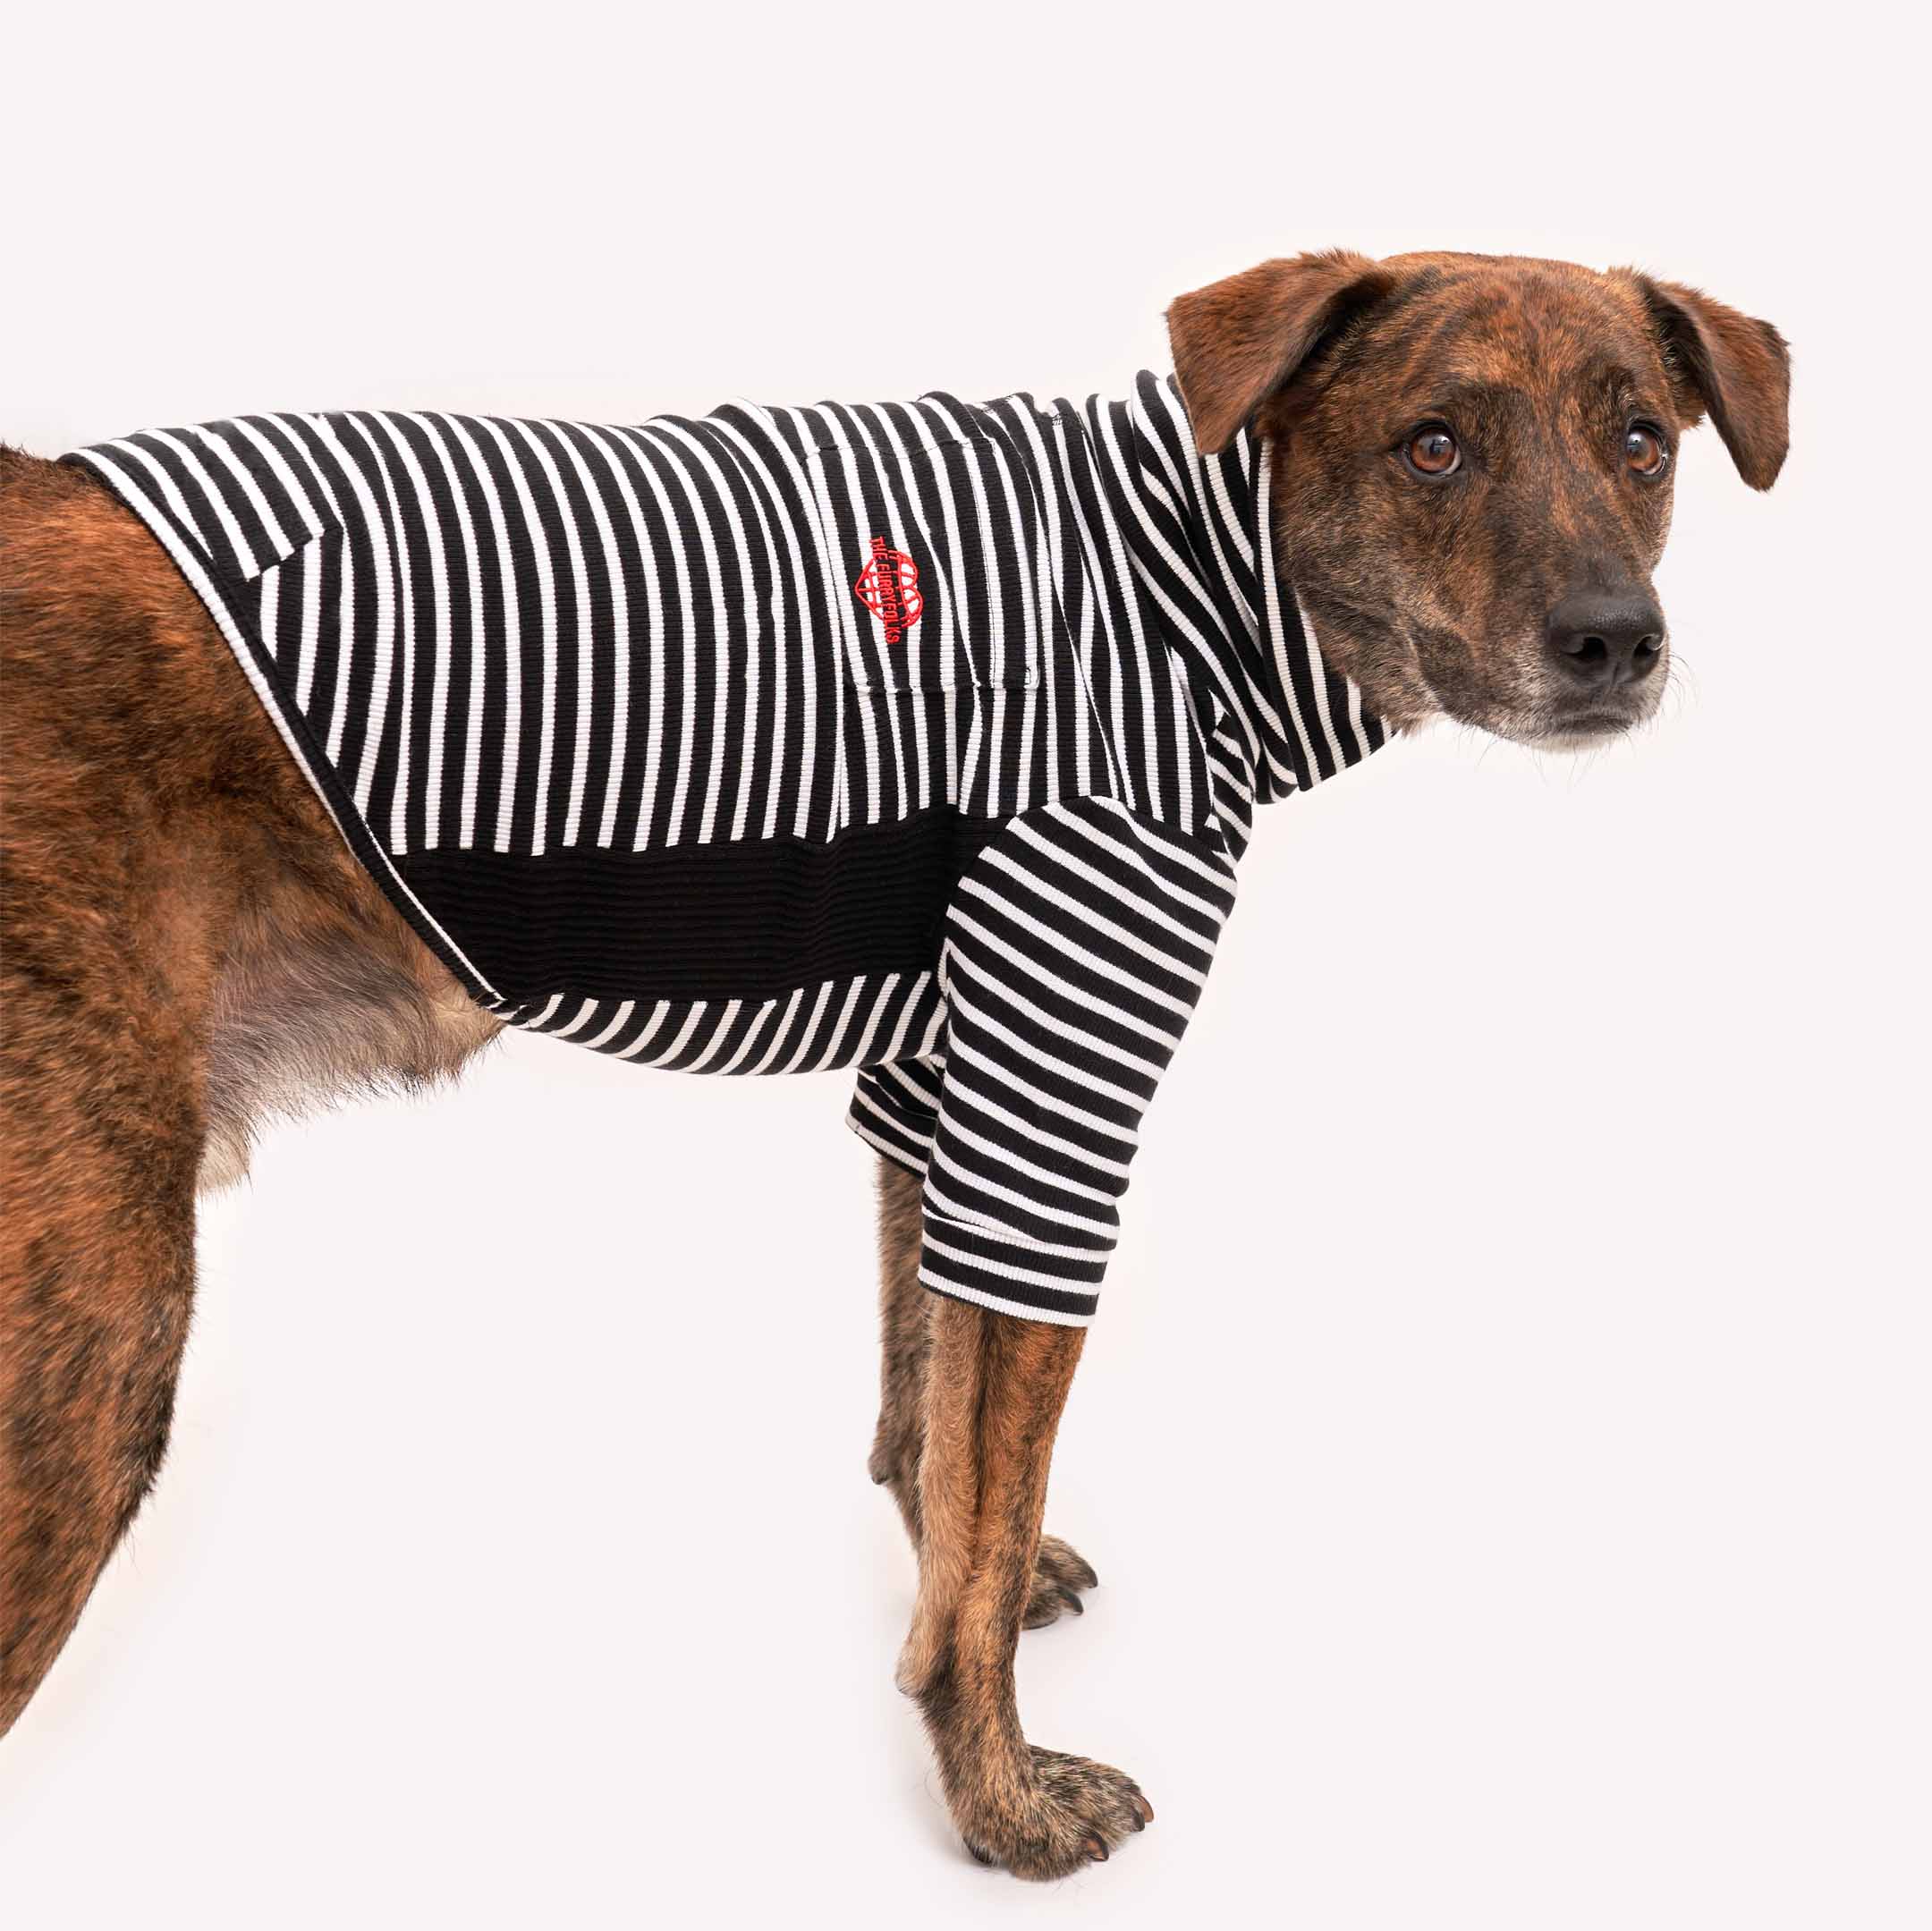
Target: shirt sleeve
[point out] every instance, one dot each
(1075, 950)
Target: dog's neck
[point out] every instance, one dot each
(1292, 718)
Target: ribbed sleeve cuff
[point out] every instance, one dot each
(904, 1140)
(1030, 1280)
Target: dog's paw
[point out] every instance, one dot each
(1060, 1573)
(1074, 1812)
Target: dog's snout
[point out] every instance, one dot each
(1606, 638)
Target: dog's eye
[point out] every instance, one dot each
(1644, 450)
(1432, 451)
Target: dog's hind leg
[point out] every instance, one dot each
(97, 1272)
(1059, 1571)
(107, 965)
(184, 941)
(115, 898)
(996, 1387)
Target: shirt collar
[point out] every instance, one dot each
(1203, 542)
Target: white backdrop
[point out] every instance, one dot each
(1504, 1446)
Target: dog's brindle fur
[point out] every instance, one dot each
(188, 947)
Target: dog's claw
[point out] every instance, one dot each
(1059, 1575)
(1098, 1850)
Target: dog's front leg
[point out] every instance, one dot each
(905, 1336)
(995, 1389)
(906, 1308)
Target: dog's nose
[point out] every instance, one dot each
(1606, 637)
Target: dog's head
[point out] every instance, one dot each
(1473, 459)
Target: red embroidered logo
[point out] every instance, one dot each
(888, 587)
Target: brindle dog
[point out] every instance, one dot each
(1474, 459)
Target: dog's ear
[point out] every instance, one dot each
(1730, 364)
(1239, 342)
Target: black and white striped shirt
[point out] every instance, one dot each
(920, 738)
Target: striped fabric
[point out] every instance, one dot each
(916, 737)
(1074, 953)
